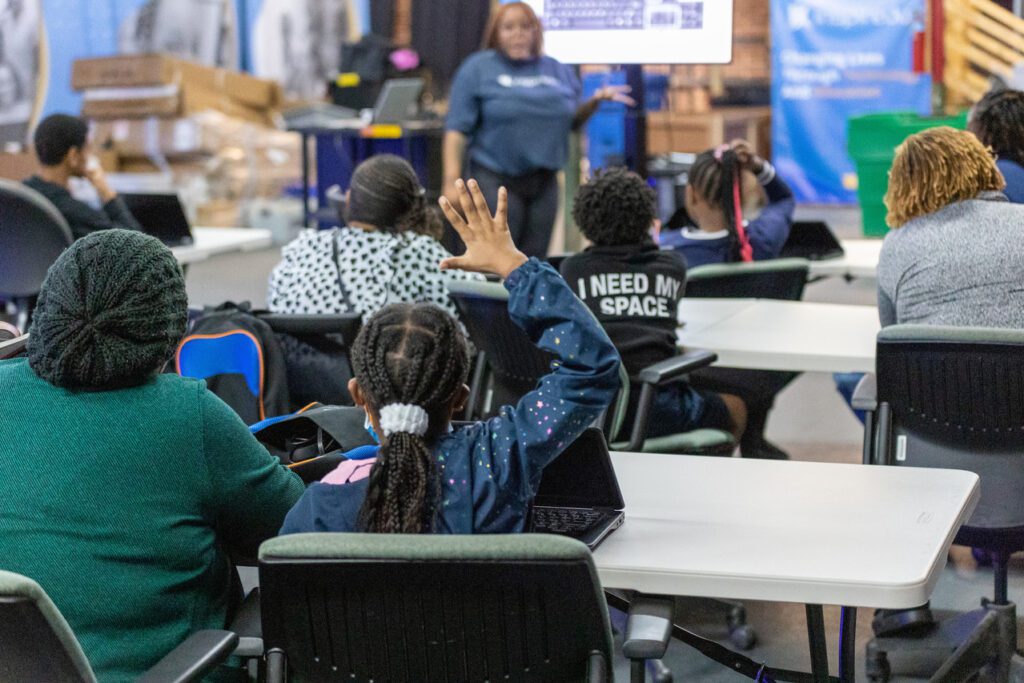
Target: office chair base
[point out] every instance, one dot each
(981, 641)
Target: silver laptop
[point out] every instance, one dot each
(397, 100)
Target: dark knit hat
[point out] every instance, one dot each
(110, 314)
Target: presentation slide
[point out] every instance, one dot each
(637, 31)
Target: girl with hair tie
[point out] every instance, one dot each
(386, 252)
(715, 201)
(411, 364)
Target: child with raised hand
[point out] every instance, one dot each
(714, 201)
(411, 363)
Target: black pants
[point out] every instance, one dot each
(757, 388)
(532, 204)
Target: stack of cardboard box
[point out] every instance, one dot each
(209, 129)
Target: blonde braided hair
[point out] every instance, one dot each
(935, 168)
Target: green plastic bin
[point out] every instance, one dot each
(871, 142)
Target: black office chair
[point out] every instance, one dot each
(33, 234)
(316, 355)
(782, 279)
(954, 398)
(361, 607)
(779, 279)
(37, 644)
(511, 366)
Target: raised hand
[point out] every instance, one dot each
(746, 155)
(489, 245)
(615, 93)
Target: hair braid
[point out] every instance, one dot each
(712, 179)
(998, 121)
(935, 168)
(408, 353)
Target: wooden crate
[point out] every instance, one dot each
(678, 132)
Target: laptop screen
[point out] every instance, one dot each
(811, 240)
(581, 477)
(162, 216)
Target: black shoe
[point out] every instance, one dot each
(903, 622)
(762, 449)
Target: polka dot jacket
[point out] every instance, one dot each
(490, 470)
(371, 270)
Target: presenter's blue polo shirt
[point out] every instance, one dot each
(516, 114)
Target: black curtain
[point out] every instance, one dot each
(382, 17)
(445, 32)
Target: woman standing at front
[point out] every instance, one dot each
(511, 111)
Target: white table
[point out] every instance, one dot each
(813, 533)
(859, 261)
(213, 241)
(794, 336)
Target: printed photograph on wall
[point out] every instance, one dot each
(298, 42)
(20, 69)
(201, 30)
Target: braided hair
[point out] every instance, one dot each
(715, 176)
(935, 168)
(998, 121)
(414, 354)
(386, 193)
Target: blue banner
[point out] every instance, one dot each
(833, 59)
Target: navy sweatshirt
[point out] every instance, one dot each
(490, 470)
(767, 233)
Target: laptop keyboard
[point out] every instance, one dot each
(564, 520)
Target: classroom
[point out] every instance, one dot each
(511, 340)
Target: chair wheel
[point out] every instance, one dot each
(876, 667)
(743, 637)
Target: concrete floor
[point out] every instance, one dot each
(810, 421)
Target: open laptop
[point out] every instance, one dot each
(579, 495)
(812, 240)
(397, 99)
(162, 216)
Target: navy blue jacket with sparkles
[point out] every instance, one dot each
(490, 470)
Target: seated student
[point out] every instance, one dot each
(62, 147)
(385, 254)
(714, 202)
(998, 121)
(122, 490)
(410, 364)
(634, 289)
(952, 255)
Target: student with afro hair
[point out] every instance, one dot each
(634, 289)
(998, 121)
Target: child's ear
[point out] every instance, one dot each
(356, 391)
(459, 400)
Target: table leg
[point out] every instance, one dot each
(817, 643)
(847, 643)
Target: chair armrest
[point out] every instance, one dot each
(648, 628)
(248, 626)
(677, 366)
(193, 659)
(865, 396)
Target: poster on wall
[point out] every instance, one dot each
(832, 60)
(21, 69)
(298, 42)
(201, 30)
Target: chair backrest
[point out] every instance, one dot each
(361, 607)
(516, 364)
(782, 279)
(33, 234)
(316, 355)
(954, 398)
(36, 643)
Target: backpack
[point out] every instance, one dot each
(240, 358)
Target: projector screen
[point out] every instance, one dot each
(636, 31)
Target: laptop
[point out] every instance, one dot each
(162, 216)
(397, 98)
(579, 495)
(812, 240)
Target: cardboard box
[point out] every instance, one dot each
(18, 165)
(165, 101)
(123, 71)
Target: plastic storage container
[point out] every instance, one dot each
(871, 142)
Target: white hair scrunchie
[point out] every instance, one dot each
(405, 418)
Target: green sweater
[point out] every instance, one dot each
(124, 504)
